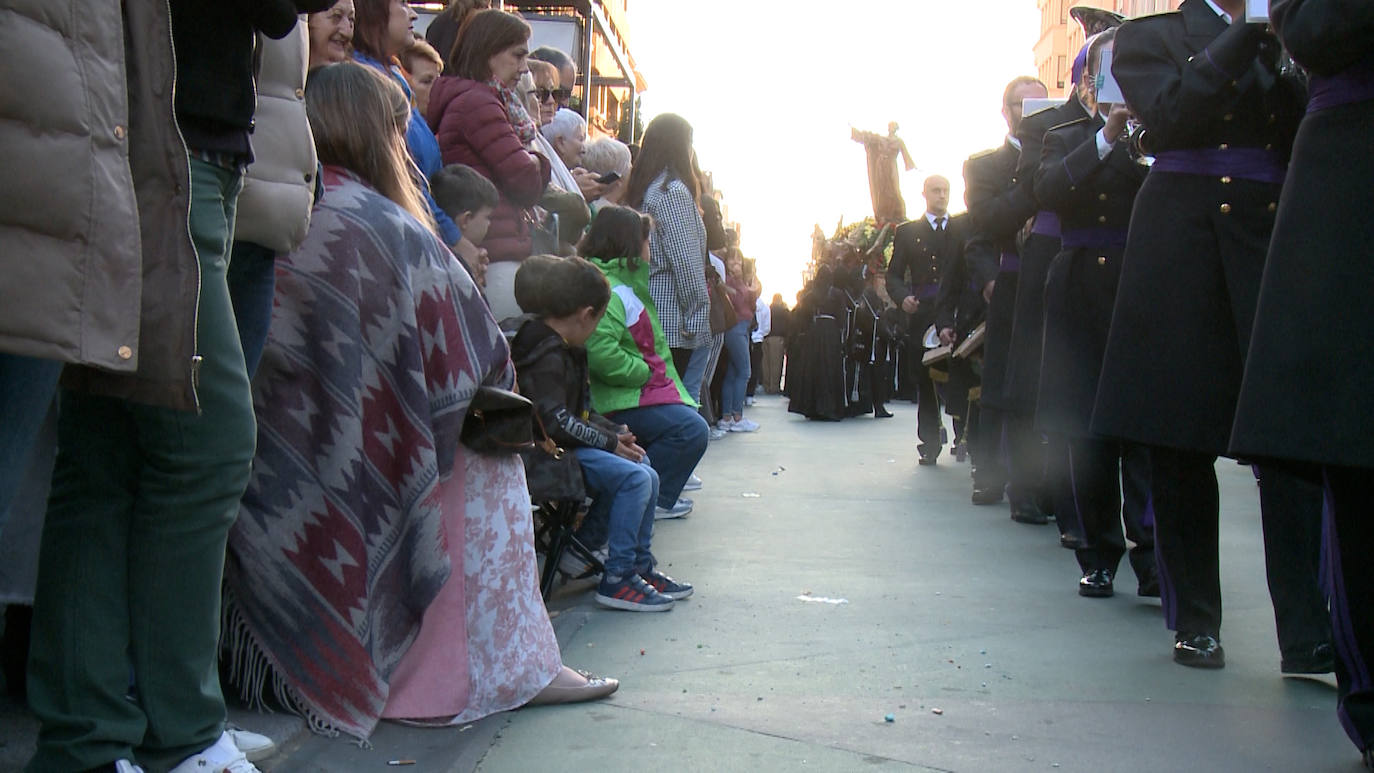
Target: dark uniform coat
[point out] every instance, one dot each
(920, 256)
(1038, 251)
(1191, 274)
(1093, 198)
(998, 207)
(1309, 383)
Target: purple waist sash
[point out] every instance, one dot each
(1253, 164)
(925, 292)
(1011, 262)
(1075, 238)
(1351, 85)
(1046, 224)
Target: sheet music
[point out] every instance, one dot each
(1107, 88)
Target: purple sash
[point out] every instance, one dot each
(925, 292)
(1075, 238)
(1046, 224)
(1011, 262)
(1353, 84)
(1252, 164)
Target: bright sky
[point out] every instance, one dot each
(772, 88)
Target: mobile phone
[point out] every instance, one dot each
(608, 178)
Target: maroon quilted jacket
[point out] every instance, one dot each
(470, 121)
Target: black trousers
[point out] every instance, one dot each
(755, 367)
(1110, 482)
(1349, 533)
(1059, 487)
(1183, 494)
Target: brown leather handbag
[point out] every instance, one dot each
(500, 422)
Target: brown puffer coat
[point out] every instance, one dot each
(97, 267)
(470, 122)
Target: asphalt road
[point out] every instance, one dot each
(839, 583)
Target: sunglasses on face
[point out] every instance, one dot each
(557, 95)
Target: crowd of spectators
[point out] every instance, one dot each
(274, 408)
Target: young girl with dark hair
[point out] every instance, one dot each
(632, 374)
(564, 299)
(664, 185)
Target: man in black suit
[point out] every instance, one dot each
(1220, 119)
(999, 207)
(922, 250)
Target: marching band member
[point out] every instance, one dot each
(1220, 118)
(1089, 180)
(1311, 335)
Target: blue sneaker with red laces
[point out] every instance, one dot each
(631, 593)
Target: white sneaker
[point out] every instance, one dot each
(681, 508)
(223, 757)
(748, 401)
(744, 425)
(693, 483)
(255, 746)
(725, 424)
(717, 433)
(124, 766)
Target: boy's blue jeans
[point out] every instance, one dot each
(675, 438)
(623, 496)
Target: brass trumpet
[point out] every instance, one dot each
(1137, 141)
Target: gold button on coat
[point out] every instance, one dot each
(1226, 180)
(1102, 260)
(1273, 206)
(1101, 218)
(1225, 209)
(1223, 146)
(125, 353)
(1101, 197)
(119, 132)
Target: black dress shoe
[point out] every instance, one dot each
(1198, 650)
(1070, 541)
(986, 495)
(928, 458)
(1027, 512)
(882, 413)
(1319, 659)
(1096, 584)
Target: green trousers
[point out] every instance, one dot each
(133, 547)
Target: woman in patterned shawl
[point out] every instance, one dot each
(377, 568)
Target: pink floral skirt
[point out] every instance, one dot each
(485, 644)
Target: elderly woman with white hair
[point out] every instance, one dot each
(604, 157)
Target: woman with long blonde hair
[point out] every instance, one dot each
(368, 531)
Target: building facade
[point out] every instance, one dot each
(1061, 38)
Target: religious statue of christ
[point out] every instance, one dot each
(883, 184)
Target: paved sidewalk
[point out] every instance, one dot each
(963, 626)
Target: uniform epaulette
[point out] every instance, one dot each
(983, 154)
